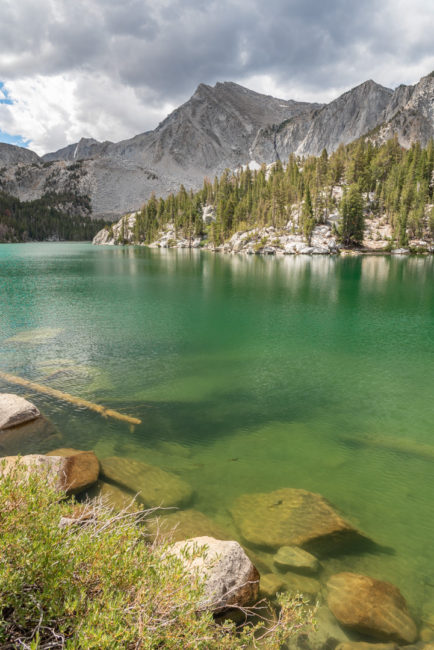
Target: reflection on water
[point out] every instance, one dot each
(307, 372)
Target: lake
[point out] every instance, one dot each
(249, 374)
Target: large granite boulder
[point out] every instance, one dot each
(229, 577)
(292, 517)
(154, 486)
(185, 524)
(81, 469)
(15, 410)
(67, 474)
(371, 607)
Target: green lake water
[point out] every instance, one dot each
(303, 372)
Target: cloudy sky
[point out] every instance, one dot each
(110, 69)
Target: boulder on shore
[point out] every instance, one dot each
(81, 469)
(154, 486)
(230, 578)
(15, 410)
(292, 517)
(70, 474)
(371, 607)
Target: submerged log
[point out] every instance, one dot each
(65, 397)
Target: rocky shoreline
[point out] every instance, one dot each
(286, 538)
(270, 240)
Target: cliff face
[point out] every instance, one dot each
(219, 127)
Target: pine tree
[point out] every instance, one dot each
(352, 219)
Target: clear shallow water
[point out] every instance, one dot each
(269, 372)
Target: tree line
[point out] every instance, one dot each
(54, 216)
(390, 181)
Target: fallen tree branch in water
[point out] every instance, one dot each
(65, 397)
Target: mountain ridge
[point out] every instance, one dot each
(220, 126)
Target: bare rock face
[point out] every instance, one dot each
(229, 576)
(154, 486)
(10, 154)
(15, 410)
(81, 469)
(371, 607)
(292, 517)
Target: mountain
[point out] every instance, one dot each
(10, 154)
(219, 127)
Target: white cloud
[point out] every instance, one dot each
(109, 70)
(55, 111)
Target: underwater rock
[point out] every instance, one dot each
(29, 437)
(298, 584)
(229, 576)
(185, 524)
(15, 410)
(292, 517)
(270, 584)
(81, 469)
(116, 498)
(325, 635)
(361, 645)
(35, 336)
(371, 607)
(154, 486)
(293, 558)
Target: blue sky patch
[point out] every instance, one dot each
(4, 95)
(13, 139)
(6, 137)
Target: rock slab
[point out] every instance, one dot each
(292, 517)
(154, 486)
(292, 558)
(371, 607)
(15, 410)
(229, 576)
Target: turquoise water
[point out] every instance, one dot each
(313, 373)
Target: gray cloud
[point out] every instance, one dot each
(154, 54)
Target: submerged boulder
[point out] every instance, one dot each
(15, 410)
(29, 437)
(371, 607)
(185, 524)
(230, 578)
(292, 558)
(292, 517)
(154, 486)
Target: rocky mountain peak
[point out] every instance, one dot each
(222, 126)
(11, 154)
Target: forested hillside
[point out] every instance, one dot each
(385, 181)
(54, 216)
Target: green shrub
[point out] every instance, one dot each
(102, 584)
